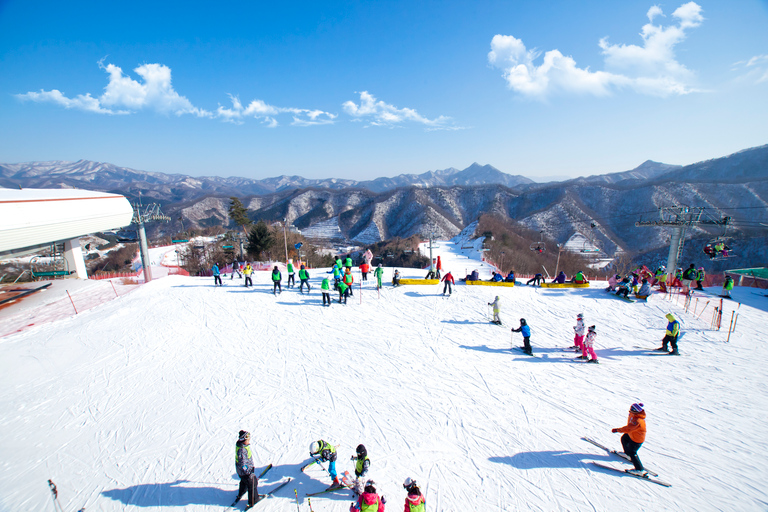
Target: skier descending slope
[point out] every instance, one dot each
(633, 438)
(578, 329)
(587, 346)
(525, 330)
(496, 320)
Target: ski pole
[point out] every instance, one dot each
(309, 500)
(296, 493)
(55, 493)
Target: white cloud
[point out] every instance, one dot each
(258, 109)
(379, 113)
(648, 69)
(754, 70)
(81, 102)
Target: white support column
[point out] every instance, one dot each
(73, 253)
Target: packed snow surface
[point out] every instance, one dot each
(136, 404)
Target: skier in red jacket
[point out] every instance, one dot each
(449, 282)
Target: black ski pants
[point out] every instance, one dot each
(277, 287)
(217, 281)
(447, 287)
(630, 448)
(326, 297)
(671, 340)
(249, 484)
(535, 280)
(527, 344)
(248, 281)
(304, 282)
(291, 280)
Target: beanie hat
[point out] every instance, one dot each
(636, 408)
(243, 435)
(580, 315)
(591, 328)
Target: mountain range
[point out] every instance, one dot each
(445, 201)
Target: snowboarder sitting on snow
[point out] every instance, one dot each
(325, 289)
(633, 438)
(449, 282)
(623, 288)
(497, 277)
(414, 502)
(727, 287)
(496, 320)
(536, 280)
(510, 277)
(396, 278)
(245, 469)
(432, 273)
(526, 332)
(276, 278)
(579, 278)
(560, 279)
(361, 467)
(473, 276)
(322, 451)
(369, 501)
(587, 346)
(612, 282)
(673, 331)
(644, 291)
(304, 279)
(578, 332)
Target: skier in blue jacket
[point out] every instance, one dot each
(526, 331)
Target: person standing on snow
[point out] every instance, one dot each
(235, 268)
(291, 275)
(525, 330)
(325, 452)
(727, 287)
(587, 346)
(439, 267)
(689, 276)
(348, 280)
(364, 269)
(247, 273)
(700, 279)
(325, 289)
(276, 278)
(216, 275)
(369, 501)
(496, 320)
(414, 502)
(633, 438)
(303, 279)
(578, 332)
(379, 273)
(673, 332)
(343, 291)
(449, 282)
(245, 470)
(361, 467)
(348, 262)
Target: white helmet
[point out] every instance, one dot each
(409, 482)
(314, 447)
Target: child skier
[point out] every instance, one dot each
(348, 280)
(396, 278)
(496, 320)
(633, 438)
(304, 279)
(245, 470)
(414, 502)
(247, 272)
(587, 346)
(325, 452)
(673, 332)
(369, 501)
(526, 332)
(276, 278)
(727, 287)
(449, 282)
(361, 467)
(343, 292)
(578, 330)
(644, 291)
(291, 275)
(379, 273)
(325, 288)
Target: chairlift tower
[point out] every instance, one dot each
(142, 214)
(679, 218)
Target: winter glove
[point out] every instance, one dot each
(614, 430)
(383, 500)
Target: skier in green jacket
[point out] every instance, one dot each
(379, 273)
(291, 275)
(304, 279)
(276, 278)
(325, 288)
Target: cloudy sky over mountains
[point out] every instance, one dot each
(361, 90)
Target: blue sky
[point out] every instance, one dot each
(380, 88)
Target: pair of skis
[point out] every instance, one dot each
(649, 477)
(267, 495)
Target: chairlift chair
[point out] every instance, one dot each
(539, 246)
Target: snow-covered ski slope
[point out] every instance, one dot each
(136, 404)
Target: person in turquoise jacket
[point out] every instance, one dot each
(276, 278)
(216, 275)
(325, 289)
(303, 279)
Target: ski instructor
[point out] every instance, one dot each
(245, 470)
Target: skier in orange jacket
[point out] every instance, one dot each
(633, 438)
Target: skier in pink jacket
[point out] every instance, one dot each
(369, 501)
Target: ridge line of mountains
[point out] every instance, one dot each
(445, 201)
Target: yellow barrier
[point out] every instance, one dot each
(564, 285)
(491, 283)
(419, 281)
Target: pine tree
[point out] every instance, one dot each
(239, 213)
(260, 239)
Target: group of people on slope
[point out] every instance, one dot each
(277, 278)
(561, 278)
(368, 500)
(630, 284)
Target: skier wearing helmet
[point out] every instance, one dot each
(361, 467)
(414, 502)
(324, 451)
(526, 332)
(578, 330)
(586, 347)
(700, 279)
(368, 501)
(496, 320)
(633, 438)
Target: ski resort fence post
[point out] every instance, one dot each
(70, 300)
(703, 310)
(113, 288)
(730, 328)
